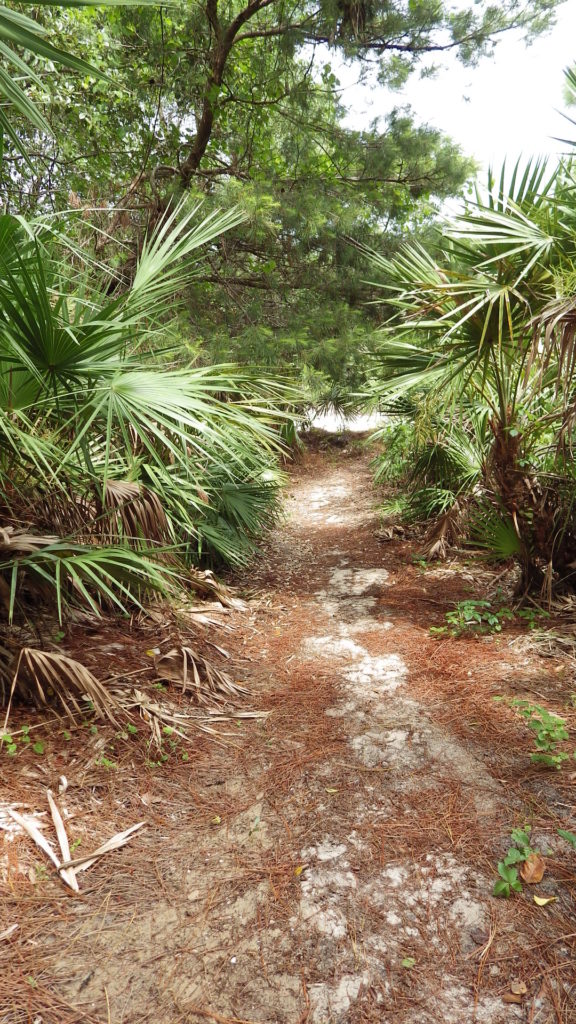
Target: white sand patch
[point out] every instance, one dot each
(326, 1001)
(380, 675)
(369, 749)
(357, 582)
(333, 647)
(324, 851)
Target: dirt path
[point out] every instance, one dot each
(332, 864)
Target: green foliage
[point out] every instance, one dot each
(15, 742)
(509, 881)
(478, 349)
(568, 836)
(473, 616)
(550, 730)
(230, 102)
(19, 32)
(126, 466)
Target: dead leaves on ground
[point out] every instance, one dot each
(46, 678)
(543, 901)
(65, 866)
(196, 675)
(533, 868)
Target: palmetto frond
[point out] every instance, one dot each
(486, 321)
(127, 457)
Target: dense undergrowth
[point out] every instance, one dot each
(476, 370)
(123, 471)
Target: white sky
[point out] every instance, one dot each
(506, 107)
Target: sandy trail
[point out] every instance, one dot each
(333, 863)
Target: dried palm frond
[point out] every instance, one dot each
(136, 513)
(445, 533)
(157, 717)
(198, 676)
(46, 679)
(163, 722)
(204, 582)
(15, 542)
(554, 342)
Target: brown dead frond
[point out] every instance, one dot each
(554, 342)
(196, 675)
(15, 542)
(204, 582)
(160, 719)
(48, 679)
(135, 513)
(444, 533)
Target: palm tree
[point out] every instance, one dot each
(119, 466)
(484, 325)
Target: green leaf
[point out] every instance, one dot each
(514, 856)
(568, 836)
(509, 874)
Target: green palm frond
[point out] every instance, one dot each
(483, 332)
(527, 185)
(139, 463)
(495, 532)
(89, 575)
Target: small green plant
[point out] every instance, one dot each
(568, 836)
(128, 731)
(473, 616)
(549, 730)
(420, 562)
(105, 762)
(9, 743)
(509, 881)
(532, 616)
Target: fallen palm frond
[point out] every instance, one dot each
(203, 581)
(445, 533)
(115, 843)
(67, 873)
(157, 717)
(67, 868)
(198, 676)
(18, 542)
(162, 722)
(47, 679)
(548, 643)
(31, 830)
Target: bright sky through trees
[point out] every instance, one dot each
(505, 107)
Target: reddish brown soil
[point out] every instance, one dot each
(332, 863)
